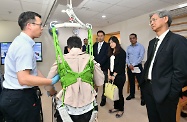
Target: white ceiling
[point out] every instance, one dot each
(11, 9)
(88, 11)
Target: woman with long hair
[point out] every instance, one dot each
(116, 73)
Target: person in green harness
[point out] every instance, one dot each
(78, 81)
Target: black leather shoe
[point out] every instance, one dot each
(142, 102)
(183, 114)
(130, 97)
(103, 102)
(119, 115)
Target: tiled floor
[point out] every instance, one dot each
(134, 112)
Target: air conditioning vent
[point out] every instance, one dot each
(75, 3)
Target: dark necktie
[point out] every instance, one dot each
(151, 58)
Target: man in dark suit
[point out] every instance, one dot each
(165, 70)
(100, 51)
(85, 47)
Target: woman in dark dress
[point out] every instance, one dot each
(116, 73)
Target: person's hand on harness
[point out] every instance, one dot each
(51, 92)
(51, 89)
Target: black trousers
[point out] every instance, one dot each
(1, 117)
(119, 81)
(20, 105)
(163, 112)
(1, 114)
(132, 76)
(103, 97)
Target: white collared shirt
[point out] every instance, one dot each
(112, 58)
(161, 37)
(99, 46)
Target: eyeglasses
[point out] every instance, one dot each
(153, 20)
(37, 24)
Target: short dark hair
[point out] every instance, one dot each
(133, 34)
(117, 48)
(74, 42)
(100, 31)
(27, 17)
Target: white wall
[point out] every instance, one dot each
(94, 30)
(138, 25)
(9, 30)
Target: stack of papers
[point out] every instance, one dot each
(136, 70)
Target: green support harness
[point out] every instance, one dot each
(67, 76)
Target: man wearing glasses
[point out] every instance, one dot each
(165, 70)
(19, 101)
